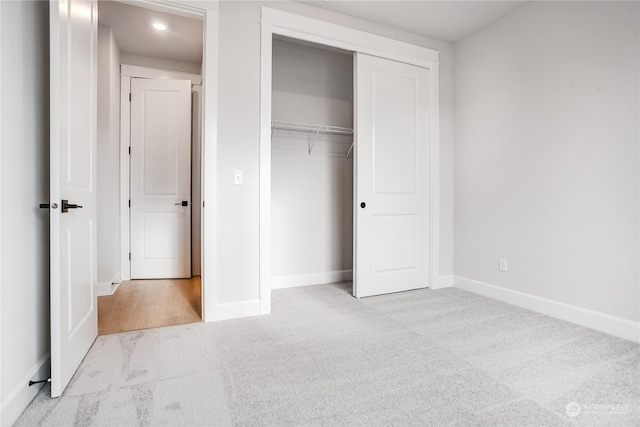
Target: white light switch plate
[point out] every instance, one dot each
(502, 264)
(237, 177)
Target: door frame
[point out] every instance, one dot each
(315, 31)
(209, 145)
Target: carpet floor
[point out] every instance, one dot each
(445, 357)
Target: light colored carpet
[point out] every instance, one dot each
(425, 357)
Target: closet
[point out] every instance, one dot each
(311, 164)
(349, 159)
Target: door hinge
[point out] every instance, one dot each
(129, 150)
(129, 202)
(129, 96)
(129, 256)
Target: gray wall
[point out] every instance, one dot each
(546, 159)
(24, 184)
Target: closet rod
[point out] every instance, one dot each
(309, 127)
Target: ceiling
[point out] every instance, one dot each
(132, 28)
(450, 21)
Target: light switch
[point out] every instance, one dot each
(237, 177)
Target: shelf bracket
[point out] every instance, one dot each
(314, 141)
(350, 150)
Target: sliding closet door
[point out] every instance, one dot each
(392, 185)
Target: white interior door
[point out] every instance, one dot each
(73, 68)
(160, 179)
(392, 184)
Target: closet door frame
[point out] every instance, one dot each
(275, 22)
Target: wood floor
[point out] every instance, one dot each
(143, 304)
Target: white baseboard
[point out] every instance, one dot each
(235, 310)
(602, 322)
(281, 282)
(108, 288)
(443, 282)
(103, 288)
(114, 287)
(14, 402)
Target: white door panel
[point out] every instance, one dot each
(392, 160)
(160, 178)
(73, 62)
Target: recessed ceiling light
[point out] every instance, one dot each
(159, 26)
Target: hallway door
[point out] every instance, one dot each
(160, 179)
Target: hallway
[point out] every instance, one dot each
(145, 304)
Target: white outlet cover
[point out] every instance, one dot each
(502, 264)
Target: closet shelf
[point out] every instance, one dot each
(310, 128)
(313, 129)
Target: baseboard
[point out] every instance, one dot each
(103, 288)
(114, 287)
(235, 310)
(442, 282)
(108, 288)
(281, 282)
(602, 322)
(14, 402)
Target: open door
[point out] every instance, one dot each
(73, 68)
(392, 176)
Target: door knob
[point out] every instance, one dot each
(66, 206)
(183, 203)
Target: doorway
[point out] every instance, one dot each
(396, 158)
(159, 61)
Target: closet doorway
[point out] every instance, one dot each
(379, 112)
(311, 164)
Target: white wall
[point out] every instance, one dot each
(546, 159)
(312, 195)
(237, 275)
(164, 64)
(24, 184)
(108, 158)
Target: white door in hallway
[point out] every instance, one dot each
(392, 169)
(73, 203)
(160, 179)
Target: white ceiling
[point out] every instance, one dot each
(132, 28)
(450, 21)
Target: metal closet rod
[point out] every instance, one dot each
(310, 127)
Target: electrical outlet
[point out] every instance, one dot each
(502, 264)
(237, 177)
